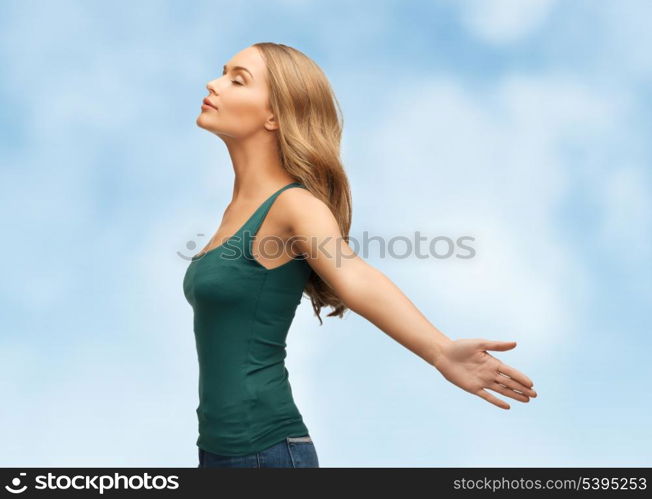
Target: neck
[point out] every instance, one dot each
(257, 168)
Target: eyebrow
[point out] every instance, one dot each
(239, 67)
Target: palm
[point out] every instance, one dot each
(466, 364)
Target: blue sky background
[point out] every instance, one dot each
(524, 124)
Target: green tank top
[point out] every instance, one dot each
(242, 314)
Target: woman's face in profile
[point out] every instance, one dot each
(240, 97)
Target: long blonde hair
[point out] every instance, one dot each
(308, 139)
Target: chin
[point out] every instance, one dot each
(200, 121)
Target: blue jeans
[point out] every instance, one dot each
(293, 452)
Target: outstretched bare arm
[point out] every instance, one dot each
(368, 292)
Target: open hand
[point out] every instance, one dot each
(466, 363)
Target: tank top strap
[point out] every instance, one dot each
(256, 220)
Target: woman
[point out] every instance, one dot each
(284, 233)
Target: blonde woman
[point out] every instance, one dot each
(285, 233)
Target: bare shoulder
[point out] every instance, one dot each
(316, 234)
(307, 214)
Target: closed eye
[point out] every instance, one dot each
(233, 81)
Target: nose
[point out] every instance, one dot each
(212, 85)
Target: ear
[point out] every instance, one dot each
(271, 123)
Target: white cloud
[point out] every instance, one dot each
(491, 165)
(626, 229)
(504, 21)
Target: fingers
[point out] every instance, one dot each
(508, 392)
(494, 400)
(498, 345)
(516, 375)
(515, 385)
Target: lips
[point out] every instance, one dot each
(208, 103)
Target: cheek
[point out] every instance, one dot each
(247, 108)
